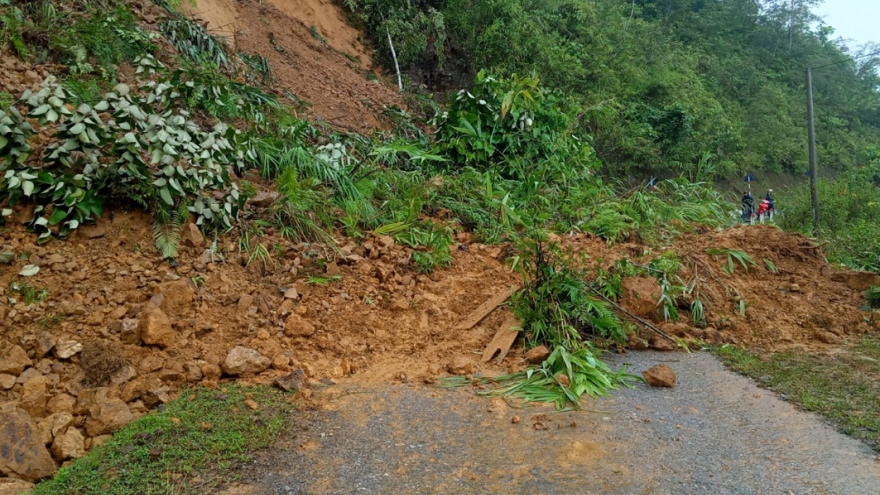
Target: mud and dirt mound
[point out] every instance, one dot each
(788, 297)
(312, 53)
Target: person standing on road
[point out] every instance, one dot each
(748, 207)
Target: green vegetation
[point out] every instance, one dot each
(843, 387)
(201, 432)
(850, 214)
(659, 82)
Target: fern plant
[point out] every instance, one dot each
(733, 256)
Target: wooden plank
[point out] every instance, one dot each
(484, 310)
(503, 340)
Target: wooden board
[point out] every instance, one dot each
(484, 310)
(503, 340)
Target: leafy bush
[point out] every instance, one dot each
(509, 123)
(556, 306)
(130, 139)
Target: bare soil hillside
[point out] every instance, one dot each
(313, 53)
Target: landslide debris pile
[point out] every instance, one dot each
(786, 296)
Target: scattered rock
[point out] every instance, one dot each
(14, 361)
(637, 343)
(640, 295)
(296, 326)
(192, 237)
(460, 365)
(66, 349)
(291, 293)
(10, 486)
(178, 296)
(69, 445)
(22, 451)
(292, 382)
(332, 269)
(92, 231)
(860, 281)
(245, 302)
(60, 403)
(108, 417)
(537, 355)
(660, 375)
(263, 199)
(39, 343)
(827, 337)
(242, 361)
(661, 344)
(54, 425)
(211, 371)
(6, 381)
(130, 332)
(156, 327)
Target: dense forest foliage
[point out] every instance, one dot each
(657, 84)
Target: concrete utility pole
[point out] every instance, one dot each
(812, 138)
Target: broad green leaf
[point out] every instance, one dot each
(166, 196)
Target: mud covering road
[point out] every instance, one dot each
(715, 433)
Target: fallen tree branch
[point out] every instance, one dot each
(634, 317)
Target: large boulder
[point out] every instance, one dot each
(156, 327)
(22, 451)
(640, 296)
(660, 375)
(14, 361)
(242, 361)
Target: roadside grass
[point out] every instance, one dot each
(182, 449)
(842, 387)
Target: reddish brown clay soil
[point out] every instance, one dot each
(362, 313)
(316, 71)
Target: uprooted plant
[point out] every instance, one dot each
(557, 311)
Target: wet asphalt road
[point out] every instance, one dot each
(715, 433)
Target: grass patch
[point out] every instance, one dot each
(845, 387)
(180, 449)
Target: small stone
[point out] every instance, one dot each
(11, 486)
(296, 326)
(61, 403)
(333, 269)
(263, 199)
(460, 365)
(252, 404)
(53, 425)
(291, 293)
(827, 337)
(292, 382)
(66, 349)
(661, 344)
(177, 296)
(192, 237)
(211, 371)
(242, 361)
(14, 361)
(69, 445)
(156, 327)
(245, 302)
(6, 381)
(92, 231)
(660, 375)
(281, 362)
(130, 333)
(108, 417)
(514, 420)
(537, 355)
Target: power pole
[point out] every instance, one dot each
(812, 138)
